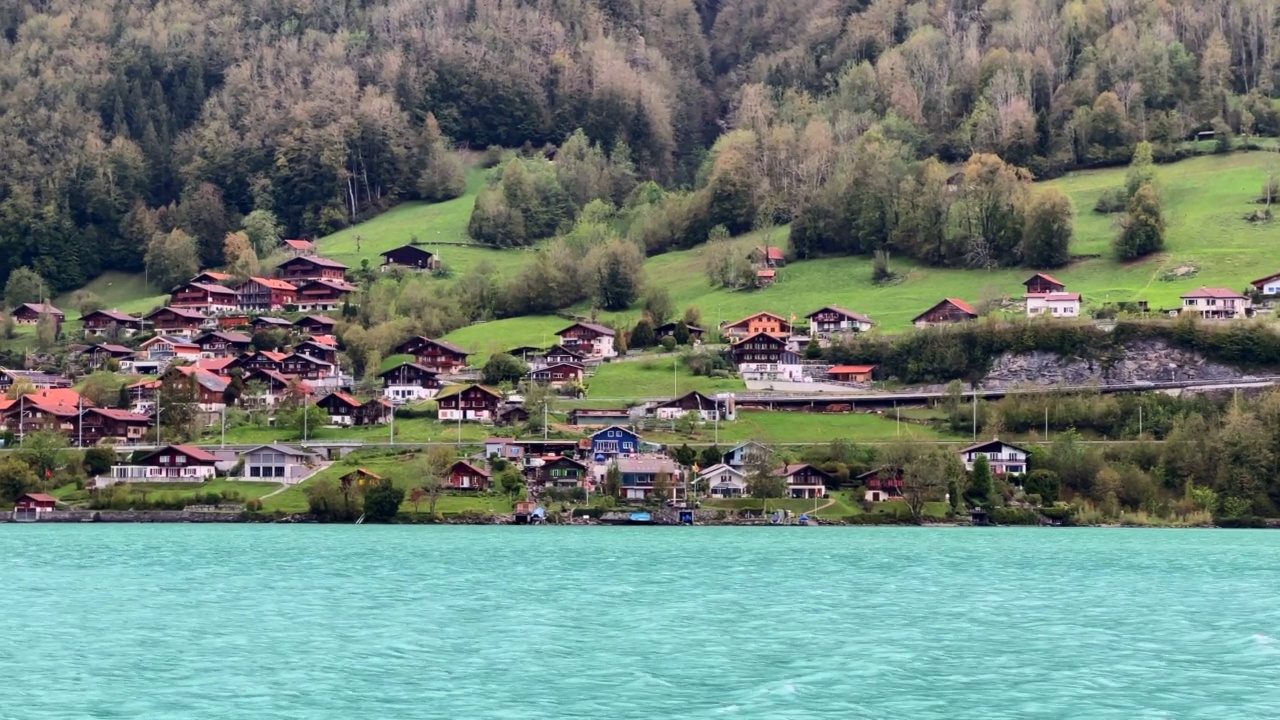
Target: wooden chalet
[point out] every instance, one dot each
(562, 472)
(767, 257)
(557, 375)
(315, 325)
(1041, 284)
(95, 425)
(306, 367)
(881, 484)
(222, 344)
(359, 477)
(49, 410)
(765, 277)
(466, 476)
(264, 324)
(591, 339)
(175, 321)
(166, 347)
(299, 248)
(266, 387)
(105, 323)
(101, 353)
(260, 294)
(209, 388)
(318, 350)
(509, 414)
(310, 268)
(833, 320)
(172, 463)
(29, 313)
(761, 322)
(410, 256)
(695, 333)
(39, 380)
(562, 354)
(347, 411)
(409, 382)
(435, 355)
(475, 403)
(265, 360)
(692, 403)
(33, 505)
(804, 481)
(212, 277)
(949, 310)
(323, 294)
(207, 298)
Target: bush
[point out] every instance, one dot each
(1014, 516)
(1111, 201)
(668, 343)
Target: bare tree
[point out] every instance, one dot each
(925, 478)
(433, 474)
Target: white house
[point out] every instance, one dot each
(834, 320)
(746, 453)
(280, 463)
(704, 408)
(1055, 304)
(723, 481)
(1269, 285)
(590, 339)
(1216, 303)
(1004, 458)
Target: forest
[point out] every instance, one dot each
(123, 121)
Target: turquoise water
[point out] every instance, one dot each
(303, 622)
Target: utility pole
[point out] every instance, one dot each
(544, 419)
(1139, 421)
(224, 424)
(1046, 422)
(157, 416)
(897, 416)
(975, 413)
(393, 422)
(80, 424)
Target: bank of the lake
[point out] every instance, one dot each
(557, 622)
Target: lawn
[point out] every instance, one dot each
(415, 430)
(489, 338)
(155, 491)
(640, 379)
(802, 427)
(126, 292)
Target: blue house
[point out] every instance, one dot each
(613, 441)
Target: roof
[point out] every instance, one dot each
(315, 320)
(720, 468)
(300, 244)
(233, 337)
(602, 329)
(180, 312)
(766, 273)
(413, 365)
(326, 341)
(214, 365)
(316, 260)
(756, 315)
(1043, 276)
(190, 451)
(646, 465)
(366, 473)
(204, 378)
(772, 252)
(283, 449)
(217, 289)
(267, 320)
(272, 283)
(671, 327)
(599, 412)
(848, 369)
(344, 398)
(57, 396)
(691, 394)
(959, 304)
(1208, 292)
(755, 335)
(612, 427)
(473, 468)
(560, 349)
(122, 415)
(789, 470)
(1055, 296)
(112, 314)
(167, 339)
(1263, 280)
(993, 443)
(40, 308)
(39, 497)
(213, 275)
(451, 390)
(409, 246)
(114, 349)
(842, 311)
(331, 283)
(545, 368)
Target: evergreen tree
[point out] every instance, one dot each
(981, 485)
(642, 335)
(1046, 243)
(1143, 228)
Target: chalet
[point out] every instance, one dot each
(1004, 458)
(745, 454)
(468, 403)
(342, 409)
(265, 388)
(29, 313)
(260, 294)
(612, 442)
(175, 321)
(881, 484)
(1216, 304)
(217, 366)
(762, 322)
(562, 354)
(1041, 284)
(590, 339)
(410, 256)
(282, 463)
(221, 344)
(465, 476)
(1269, 285)
(95, 425)
(208, 299)
(696, 334)
(409, 382)
(232, 322)
(435, 355)
(29, 505)
(315, 325)
(832, 320)
(851, 373)
(378, 411)
(306, 367)
(101, 353)
(252, 362)
(46, 410)
(209, 388)
(562, 472)
(723, 481)
(558, 375)
(265, 324)
(510, 413)
(804, 481)
(527, 353)
(949, 310)
(766, 357)
(318, 350)
(323, 295)
(299, 248)
(767, 257)
(704, 408)
(1055, 304)
(639, 474)
(39, 380)
(359, 478)
(310, 268)
(210, 277)
(765, 277)
(164, 348)
(586, 417)
(108, 323)
(172, 463)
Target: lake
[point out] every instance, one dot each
(303, 622)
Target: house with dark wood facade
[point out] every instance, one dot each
(208, 299)
(260, 294)
(221, 344)
(410, 256)
(474, 403)
(103, 323)
(949, 310)
(562, 472)
(558, 375)
(590, 339)
(266, 324)
(95, 425)
(435, 355)
(833, 320)
(804, 481)
(466, 476)
(324, 294)
(29, 314)
(409, 382)
(175, 321)
(695, 333)
(301, 269)
(314, 325)
(347, 411)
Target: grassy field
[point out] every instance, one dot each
(639, 379)
(180, 491)
(416, 430)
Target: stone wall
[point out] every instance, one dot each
(1149, 361)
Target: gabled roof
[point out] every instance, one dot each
(328, 342)
(789, 470)
(771, 252)
(469, 466)
(283, 449)
(40, 308)
(755, 335)
(1055, 296)
(213, 275)
(271, 283)
(848, 369)
(315, 320)
(562, 350)
(344, 398)
(206, 287)
(993, 445)
(190, 451)
(115, 315)
(1043, 276)
(451, 390)
(214, 365)
(602, 329)
(180, 312)
(1208, 292)
(227, 336)
(315, 260)
(553, 366)
(670, 327)
(183, 342)
(331, 283)
(420, 368)
(753, 316)
(39, 497)
(204, 378)
(422, 340)
(110, 348)
(691, 394)
(268, 320)
(958, 304)
(766, 273)
(121, 415)
(614, 427)
(1264, 280)
(837, 309)
(721, 468)
(646, 465)
(409, 246)
(300, 244)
